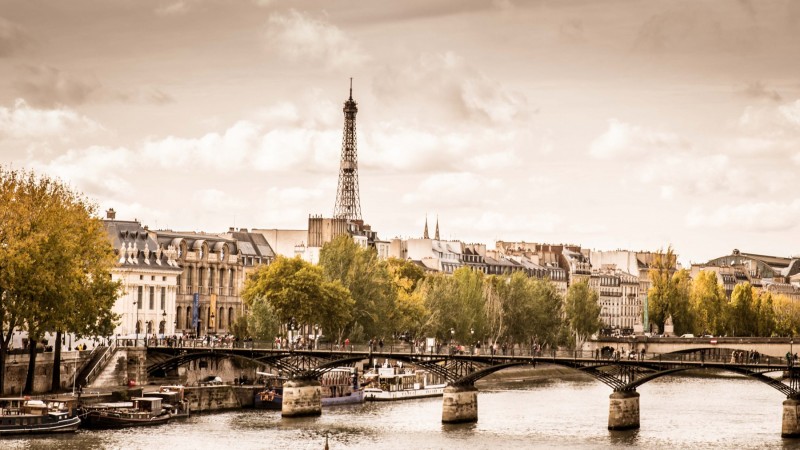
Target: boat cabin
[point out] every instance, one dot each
(147, 404)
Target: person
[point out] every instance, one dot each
(380, 345)
(346, 343)
(788, 359)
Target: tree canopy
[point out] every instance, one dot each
(55, 264)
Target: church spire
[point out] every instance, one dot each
(425, 233)
(437, 228)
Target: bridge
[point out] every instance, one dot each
(623, 374)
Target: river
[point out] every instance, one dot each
(694, 412)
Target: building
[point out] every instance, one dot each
(620, 303)
(148, 272)
(774, 274)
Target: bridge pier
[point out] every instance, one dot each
(623, 410)
(460, 404)
(790, 426)
(301, 397)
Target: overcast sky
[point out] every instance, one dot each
(609, 124)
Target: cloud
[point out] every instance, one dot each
(102, 171)
(757, 217)
(173, 9)
(443, 86)
(299, 37)
(758, 90)
(623, 141)
(13, 38)
(459, 189)
(23, 122)
(47, 86)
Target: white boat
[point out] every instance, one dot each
(396, 383)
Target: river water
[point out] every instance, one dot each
(695, 412)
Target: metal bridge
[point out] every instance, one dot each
(621, 374)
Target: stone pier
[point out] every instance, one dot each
(460, 404)
(301, 398)
(790, 426)
(623, 410)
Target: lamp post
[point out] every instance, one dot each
(472, 340)
(452, 340)
(136, 325)
(164, 322)
(211, 324)
(316, 337)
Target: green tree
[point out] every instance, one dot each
(742, 320)
(765, 315)
(662, 291)
(367, 279)
(55, 263)
(582, 311)
(411, 315)
(787, 315)
(682, 313)
(292, 288)
(708, 301)
(548, 312)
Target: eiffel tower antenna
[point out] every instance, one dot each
(348, 204)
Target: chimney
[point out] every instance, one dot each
(111, 214)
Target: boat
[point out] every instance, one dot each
(139, 412)
(172, 399)
(21, 415)
(397, 383)
(271, 396)
(338, 386)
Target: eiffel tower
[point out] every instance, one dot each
(348, 205)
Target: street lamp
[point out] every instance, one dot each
(211, 324)
(316, 337)
(136, 306)
(164, 322)
(452, 340)
(472, 339)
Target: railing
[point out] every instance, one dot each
(101, 362)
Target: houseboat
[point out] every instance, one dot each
(339, 386)
(139, 412)
(397, 383)
(172, 399)
(20, 415)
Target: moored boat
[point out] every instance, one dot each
(396, 383)
(19, 415)
(172, 400)
(140, 411)
(340, 387)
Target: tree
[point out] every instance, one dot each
(741, 312)
(548, 309)
(680, 306)
(582, 311)
(368, 281)
(662, 291)
(55, 263)
(292, 288)
(707, 297)
(765, 315)
(410, 314)
(787, 315)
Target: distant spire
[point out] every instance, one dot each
(437, 228)
(425, 233)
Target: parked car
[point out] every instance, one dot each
(687, 335)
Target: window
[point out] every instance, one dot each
(163, 298)
(141, 277)
(152, 278)
(163, 278)
(152, 297)
(139, 297)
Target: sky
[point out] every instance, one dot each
(608, 124)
